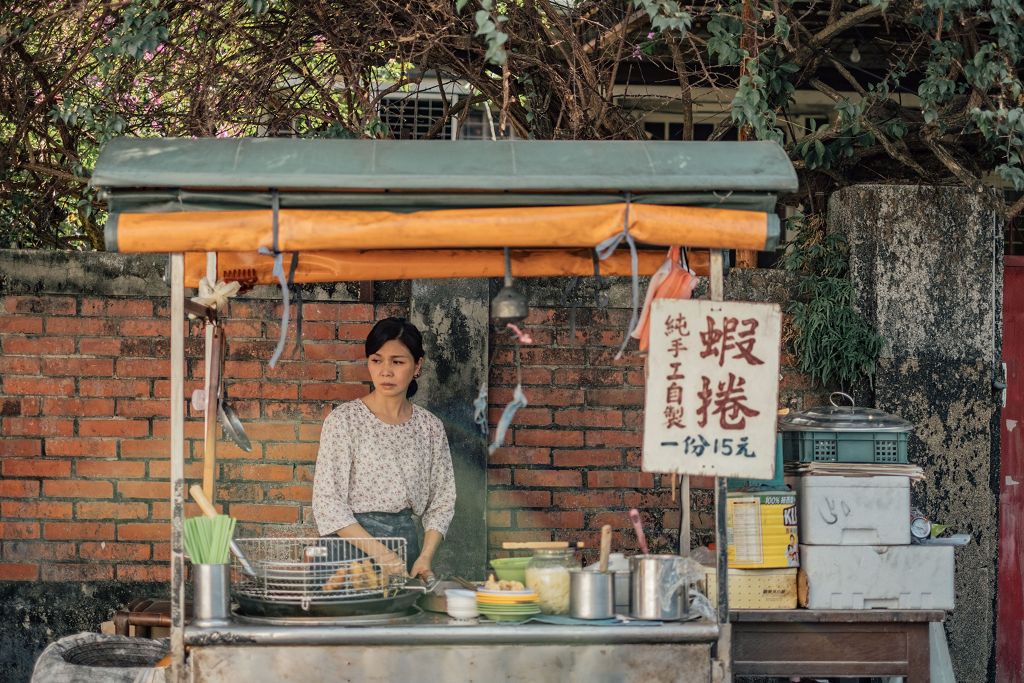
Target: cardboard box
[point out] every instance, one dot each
(876, 577)
(755, 588)
(762, 528)
(854, 510)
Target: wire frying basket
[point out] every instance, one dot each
(308, 571)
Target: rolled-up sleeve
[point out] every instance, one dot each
(331, 508)
(441, 504)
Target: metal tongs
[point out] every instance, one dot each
(428, 584)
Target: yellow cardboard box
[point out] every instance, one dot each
(762, 529)
(755, 588)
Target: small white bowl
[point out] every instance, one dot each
(463, 613)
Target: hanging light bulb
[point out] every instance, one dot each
(855, 55)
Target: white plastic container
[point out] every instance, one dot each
(854, 510)
(876, 577)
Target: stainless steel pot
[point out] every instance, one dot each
(591, 594)
(658, 587)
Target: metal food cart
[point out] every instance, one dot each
(359, 210)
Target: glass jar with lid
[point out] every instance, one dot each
(547, 575)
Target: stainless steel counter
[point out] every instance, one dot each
(434, 648)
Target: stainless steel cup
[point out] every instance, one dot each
(591, 594)
(656, 590)
(211, 600)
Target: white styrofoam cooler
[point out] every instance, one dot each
(873, 577)
(854, 510)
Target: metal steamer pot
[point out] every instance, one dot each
(659, 587)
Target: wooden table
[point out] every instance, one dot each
(823, 643)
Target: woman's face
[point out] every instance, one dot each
(392, 368)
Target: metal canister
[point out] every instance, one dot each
(591, 594)
(211, 602)
(657, 590)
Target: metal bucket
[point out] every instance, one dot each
(658, 587)
(591, 594)
(211, 603)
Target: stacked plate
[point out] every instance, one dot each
(507, 605)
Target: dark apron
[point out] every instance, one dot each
(394, 525)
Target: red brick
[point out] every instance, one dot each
(134, 367)
(81, 327)
(99, 346)
(303, 371)
(499, 518)
(36, 468)
(143, 328)
(547, 437)
(51, 305)
(590, 457)
(552, 356)
(265, 390)
(305, 411)
(496, 538)
(247, 329)
(37, 427)
(110, 388)
(648, 499)
(162, 511)
(156, 490)
(531, 376)
(298, 493)
(338, 312)
(615, 397)
(614, 438)
(243, 369)
(19, 365)
(146, 448)
(78, 407)
(519, 499)
(138, 407)
(317, 330)
(294, 452)
(540, 397)
(334, 351)
(617, 520)
(76, 488)
(335, 391)
(115, 427)
(37, 386)
(19, 324)
(589, 418)
(246, 472)
(161, 469)
(310, 432)
(161, 552)
(354, 372)
(36, 510)
(535, 417)
(520, 456)
(588, 499)
(20, 447)
(620, 480)
(117, 308)
(240, 492)
(19, 530)
(352, 331)
(38, 346)
(78, 367)
(18, 571)
(106, 469)
(111, 510)
(18, 488)
(549, 520)
(499, 476)
(114, 552)
(78, 531)
(143, 573)
(547, 478)
(78, 572)
(287, 514)
(144, 531)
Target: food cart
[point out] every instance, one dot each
(333, 210)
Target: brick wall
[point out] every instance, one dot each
(84, 426)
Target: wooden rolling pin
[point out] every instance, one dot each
(538, 545)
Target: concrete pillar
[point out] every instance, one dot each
(926, 263)
(453, 316)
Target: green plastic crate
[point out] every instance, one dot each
(877, 447)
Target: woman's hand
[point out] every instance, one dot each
(421, 567)
(390, 565)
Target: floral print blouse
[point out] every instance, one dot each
(366, 465)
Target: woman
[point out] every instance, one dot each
(384, 468)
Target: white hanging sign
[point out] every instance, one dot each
(712, 388)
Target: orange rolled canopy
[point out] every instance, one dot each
(386, 209)
(415, 264)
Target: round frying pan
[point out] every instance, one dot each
(257, 607)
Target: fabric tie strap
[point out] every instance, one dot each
(605, 249)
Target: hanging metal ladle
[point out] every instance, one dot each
(509, 306)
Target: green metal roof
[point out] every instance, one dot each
(446, 167)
